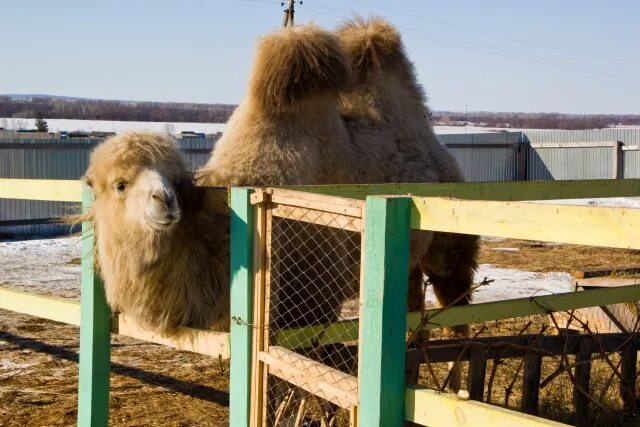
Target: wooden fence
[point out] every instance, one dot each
(92, 313)
(387, 220)
(383, 398)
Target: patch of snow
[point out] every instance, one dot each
(511, 284)
(56, 125)
(442, 130)
(506, 249)
(492, 239)
(41, 266)
(446, 130)
(8, 364)
(612, 202)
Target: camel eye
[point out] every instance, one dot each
(121, 186)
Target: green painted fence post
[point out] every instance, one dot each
(242, 231)
(95, 344)
(384, 308)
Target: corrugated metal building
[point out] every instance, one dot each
(502, 156)
(586, 162)
(487, 156)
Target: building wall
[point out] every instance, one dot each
(502, 156)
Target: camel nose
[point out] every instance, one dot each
(163, 195)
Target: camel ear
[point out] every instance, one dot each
(295, 63)
(372, 46)
(88, 178)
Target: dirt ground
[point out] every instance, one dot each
(153, 385)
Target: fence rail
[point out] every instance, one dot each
(580, 225)
(379, 331)
(387, 221)
(92, 313)
(431, 408)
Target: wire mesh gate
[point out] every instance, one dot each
(308, 262)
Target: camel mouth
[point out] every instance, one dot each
(162, 223)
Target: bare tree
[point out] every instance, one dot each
(169, 128)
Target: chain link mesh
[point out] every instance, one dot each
(313, 265)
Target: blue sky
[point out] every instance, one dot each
(576, 56)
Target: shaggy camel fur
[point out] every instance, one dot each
(317, 112)
(162, 248)
(387, 105)
(386, 112)
(345, 108)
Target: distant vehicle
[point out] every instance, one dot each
(190, 134)
(101, 135)
(78, 134)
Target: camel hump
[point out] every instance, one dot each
(297, 63)
(372, 45)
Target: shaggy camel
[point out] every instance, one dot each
(344, 108)
(162, 248)
(321, 108)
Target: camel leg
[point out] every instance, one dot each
(415, 298)
(450, 265)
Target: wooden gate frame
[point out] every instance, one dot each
(388, 220)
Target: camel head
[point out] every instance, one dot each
(161, 247)
(136, 178)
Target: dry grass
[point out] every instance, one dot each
(544, 257)
(152, 385)
(556, 397)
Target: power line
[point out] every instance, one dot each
(498, 36)
(526, 56)
(483, 48)
(315, 9)
(328, 8)
(522, 57)
(262, 1)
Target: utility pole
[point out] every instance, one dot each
(466, 118)
(289, 13)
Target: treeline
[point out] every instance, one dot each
(537, 120)
(89, 109)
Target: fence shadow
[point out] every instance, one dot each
(152, 378)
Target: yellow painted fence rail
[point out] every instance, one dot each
(580, 225)
(435, 409)
(613, 227)
(41, 189)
